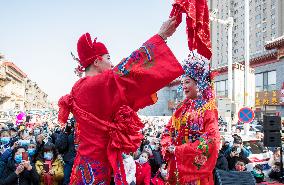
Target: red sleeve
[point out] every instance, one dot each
(140, 103)
(147, 70)
(64, 105)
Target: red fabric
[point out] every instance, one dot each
(88, 51)
(186, 155)
(124, 134)
(94, 101)
(197, 22)
(157, 181)
(143, 174)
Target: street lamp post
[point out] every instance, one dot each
(247, 50)
(247, 58)
(229, 23)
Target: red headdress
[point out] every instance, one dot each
(88, 51)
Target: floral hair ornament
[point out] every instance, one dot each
(79, 69)
(197, 67)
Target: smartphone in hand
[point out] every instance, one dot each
(46, 167)
(25, 156)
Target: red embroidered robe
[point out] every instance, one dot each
(196, 137)
(96, 102)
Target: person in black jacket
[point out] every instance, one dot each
(65, 145)
(18, 171)
(155, 159)
(222, 162)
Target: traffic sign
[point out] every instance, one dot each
(246, 115)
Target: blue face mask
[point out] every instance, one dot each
(124, 156)
(153, 147)
(18, 158)
(31, 152)
(36, 131)
(5, 140)
(48, 156)
(24, 142)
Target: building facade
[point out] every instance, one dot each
(268, 70)
(35, 97)
(12, 87)
(17, 92)
(266, 23)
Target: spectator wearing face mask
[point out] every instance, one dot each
(13, 132)
(4, 139)
(245, 152)
(32, 151)
(233, 157)
(49, 166)
(143, 170)
(161, 176)
(18, 170)
(8, 152)
(129, 168)
(155, 160)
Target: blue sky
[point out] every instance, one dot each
(38, 35)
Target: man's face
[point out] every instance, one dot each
(237, 145)
(105, 63)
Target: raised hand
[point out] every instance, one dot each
(168, 28)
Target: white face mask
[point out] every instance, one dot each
(164, 173)
(142, 160)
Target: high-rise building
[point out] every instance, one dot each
(266, 23)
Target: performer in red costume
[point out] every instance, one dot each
(191, 139)
(105, 100)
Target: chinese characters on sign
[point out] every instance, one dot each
(267, 98)
(282, 95)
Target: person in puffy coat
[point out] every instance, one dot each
(17, 171)
(49, 166)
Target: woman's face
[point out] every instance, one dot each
(20, 151)
(32, 146)
(189, 87)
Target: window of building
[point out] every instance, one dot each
(258, 8)
(271, 80)
(258, 43)
(265, 81)
(273, 22)
(221, 88)
(273, 11)
(259, 82)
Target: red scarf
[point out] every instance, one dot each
(197, 22)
